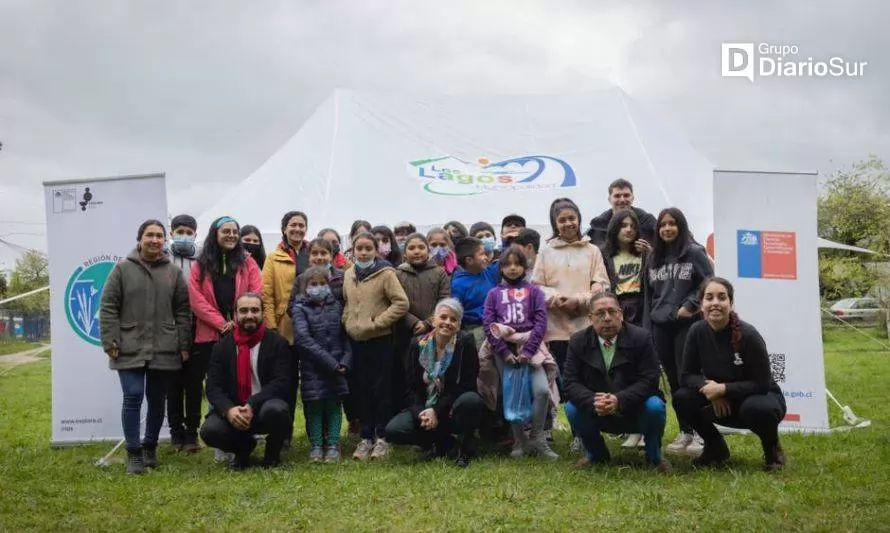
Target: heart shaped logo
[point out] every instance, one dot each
(518, 294)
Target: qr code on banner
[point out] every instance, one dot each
(777, 366)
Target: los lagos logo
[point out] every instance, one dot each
(83, 296)
(452, 176)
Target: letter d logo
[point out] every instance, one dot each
(738, 60)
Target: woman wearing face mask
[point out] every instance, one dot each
(358, 226)
(726, 379)
(442, 249)
(283, 265)
(252, 241)
(676, 267)
(223, 271)
(386, 245)
(425, 283)
(485, 233)
(340, 260)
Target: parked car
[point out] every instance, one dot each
(865, 309)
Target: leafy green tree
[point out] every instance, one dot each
(31, 272)
(854, 209)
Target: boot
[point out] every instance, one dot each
(134, 462)
(272, 453)
(150, 456)
(714, 453)
(773, 457)
(520, 441)
(538, 445)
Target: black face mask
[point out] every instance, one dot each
(255, 250)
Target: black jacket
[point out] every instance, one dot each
(674, 284)
(600, 225)
(632, 377)
(709, 355)
(459, 378)
(274, 369)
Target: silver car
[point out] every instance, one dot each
(865, 309)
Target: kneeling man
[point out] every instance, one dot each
(248, 386)
(611, 384)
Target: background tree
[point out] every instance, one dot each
(31, 272)
(4, 285)
(854, 209)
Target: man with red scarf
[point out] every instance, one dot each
(248, 386)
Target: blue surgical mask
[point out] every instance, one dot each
(363, 264)
(183, 245)
(318, 293)
(401, 246)
(439, 253)
(490, 244)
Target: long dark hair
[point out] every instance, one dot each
(681, 243)
(612, 246)
(735, 323)
(211, 258)
(558, 205)
(395, 255)
(260, 258)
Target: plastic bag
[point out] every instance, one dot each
(517, 393)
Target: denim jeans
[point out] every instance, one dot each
(136, 384)
(649, 421)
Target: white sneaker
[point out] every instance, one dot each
(633, 440)
(696, 446)
(363, 450)
(381, 449)
(680, 443)
(577, 446)
(223, 457)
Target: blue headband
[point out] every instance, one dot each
(223, 220)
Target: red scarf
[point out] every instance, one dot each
(244, 342)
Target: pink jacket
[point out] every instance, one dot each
(208, 319)
(488, 383)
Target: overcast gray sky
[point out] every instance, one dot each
(206, 90)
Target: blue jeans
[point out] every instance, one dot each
(650, 422)
(136, 384)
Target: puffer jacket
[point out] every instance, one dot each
(145, 312)
(575, 270)
(374, 301)
(322, 345)
(279, 274)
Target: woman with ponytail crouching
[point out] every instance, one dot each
(725, 378)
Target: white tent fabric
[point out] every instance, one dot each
(386, 158)
(825, 243)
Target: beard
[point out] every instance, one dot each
(248, 326)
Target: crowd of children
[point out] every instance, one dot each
(358, 317)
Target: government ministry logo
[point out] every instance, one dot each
(83, 296)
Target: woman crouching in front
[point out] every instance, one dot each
(441, 392)
(726, 379)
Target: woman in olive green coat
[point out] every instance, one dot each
(146, 328)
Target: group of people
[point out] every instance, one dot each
(416, 339)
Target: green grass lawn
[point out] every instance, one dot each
(15, 346)
(837, 482)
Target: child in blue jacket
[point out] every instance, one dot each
(470, 284)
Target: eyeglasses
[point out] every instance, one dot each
(612, 312)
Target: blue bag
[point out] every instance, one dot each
(517, 382)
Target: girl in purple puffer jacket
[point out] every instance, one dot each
(523, 307)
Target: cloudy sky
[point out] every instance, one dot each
(206, 90)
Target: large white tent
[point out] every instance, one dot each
(392, 157)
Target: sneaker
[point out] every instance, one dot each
(150, 457)
(773, 458)
(331, 454)
(518, 451)
(695, 447)
(633, 441)
(134, 462)
(316, 454)
(223, 457)
(537, 444)
(577, 446)
(381, 449)
(680, 443)
(363, 450)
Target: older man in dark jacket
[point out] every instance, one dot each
(611, 383)
(248, 387)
